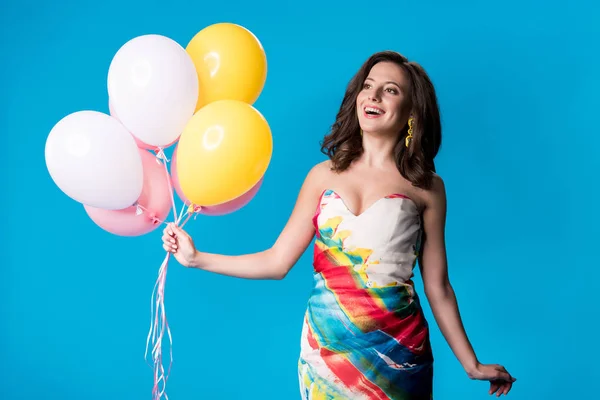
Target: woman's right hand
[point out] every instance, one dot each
(180, 244)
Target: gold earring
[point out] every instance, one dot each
(409, 137)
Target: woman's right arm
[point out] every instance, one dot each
(273, 263)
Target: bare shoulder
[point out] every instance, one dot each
(323, 168)
(438, 187)
(435, 196)
(318, 175)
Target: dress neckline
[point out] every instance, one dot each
(386, 197)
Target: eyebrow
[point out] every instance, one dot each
(392, 82)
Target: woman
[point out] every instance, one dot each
(376, 206)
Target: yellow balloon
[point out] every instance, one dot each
(230, 62)
(223, 152)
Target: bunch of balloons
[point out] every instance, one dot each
(199, 99)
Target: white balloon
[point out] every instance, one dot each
(153, 87)
(94, 160)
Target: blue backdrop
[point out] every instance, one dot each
(517, 83)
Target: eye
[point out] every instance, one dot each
(392, 90)
(366, 86)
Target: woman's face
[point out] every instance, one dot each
(380, 104)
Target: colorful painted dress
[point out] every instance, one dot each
(364, 335)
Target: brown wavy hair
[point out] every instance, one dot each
(343, 144)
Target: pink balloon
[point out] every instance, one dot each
(155, 201)
(138, 142)
(220, 209)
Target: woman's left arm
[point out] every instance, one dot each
(439, 292)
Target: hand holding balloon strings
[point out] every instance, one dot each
(158, 321)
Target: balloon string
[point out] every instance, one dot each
(164, 160)
(158, 327)
(183, 208)
(158, 320)
(186, 219)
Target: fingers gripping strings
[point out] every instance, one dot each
(158, 320)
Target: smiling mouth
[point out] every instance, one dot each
(373, 112)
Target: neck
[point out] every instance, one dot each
(378, 150)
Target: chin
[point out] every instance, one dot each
(369, 126)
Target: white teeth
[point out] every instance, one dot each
(373, 110)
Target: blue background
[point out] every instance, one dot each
(517, 83)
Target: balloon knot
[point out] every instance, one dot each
(160, 155)
(193, 208)
(153, 218)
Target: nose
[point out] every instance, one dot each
(374, 95)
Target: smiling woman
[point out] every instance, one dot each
(385, 93)
(377, 207)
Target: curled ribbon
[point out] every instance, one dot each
(159, 325)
